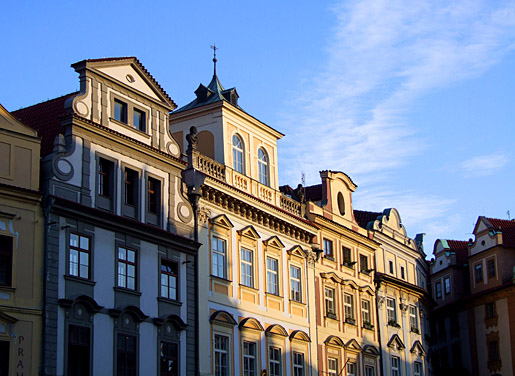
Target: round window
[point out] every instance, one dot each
(341, 204)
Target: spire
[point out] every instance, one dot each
(214, 58)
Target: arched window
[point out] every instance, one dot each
(263, 167)
(237, 154)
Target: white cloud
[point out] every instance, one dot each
(484, 165)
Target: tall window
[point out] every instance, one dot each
(493, 351)
(237, 154)
(490, 310)
(390, 310)
(79, 256)
(295, 284)
(6, 260)
(348, 302)
(221, 355)
(447, 285)
(274, 363)
(332, 366)
(438, 287)
(131, 187)
(139, 120)
(403, 276)
(263, 167)
(169, 359)
(491, 268)
(105, 177)
(347, 255)
(169, 274)
(479, 272)
(249, 358)
(351, 369)
(127, 268)
(418, 369)
(370, 371)
(218, 255)
(396, 366)
(413, 318)
(298, 364)
(154, 195)
(126, 355)
(328, 248)
(120, 111)
(78, 350)
(272, 275)
(247, 267)
(390, 263)
(365, 312)
(363, 263)
(330, 308)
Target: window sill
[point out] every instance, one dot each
(368, 326)
(272, 294)
(297, 302)
(248, 287)
(365, 272)
(330, 258)
(128, 126)
(350, 321)
(169, 301)
(331, 316)
(415, 330)
(222, 279)
(80, 280)
(349, 265)
(393, 324)
(7, 288)
(126, 291)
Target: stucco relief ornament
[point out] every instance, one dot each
(311, 257)
(203, 215)
(404, 308)
(380, 301)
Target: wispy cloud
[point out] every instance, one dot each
(484, 165)
(382, 56)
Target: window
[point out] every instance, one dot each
(493, 351)
(363, 263)
(332, 365)
(221, 355)
(479, 272)
(370, 371)
(139, 120)
(263, 167)
(78, 350)
(6, 260)
(218, 267)
(491, 268)
(390, 263)
(348, 303)
(105, 178)
(295, 284)
(79, 256)
(402, 272)
(237, 154)
(247, 267)
(396, 364)
(126, 355)
(413, 318)
(249, 358)
(274, 363)
(447, 285)
(330, 308)
(390, 311)
(127, 268)
(328, 248)
(438, 288)
(351, 369)
(154, 195)
(120, 111)
(131, 187)
(418, 369)
(272, 275)
(169, 274)
(298, 364)
(365, 312)
(490, 310)
(347, 256)
(169, 359)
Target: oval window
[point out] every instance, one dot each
(341, 204)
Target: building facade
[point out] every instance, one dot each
(21, 248)
(119, 291)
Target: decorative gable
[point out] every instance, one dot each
(222, 220)
(417, 348)
(334, 341)
(396, 343)
(274, 241)
(249, 232)
(353, 345)
(297, 250)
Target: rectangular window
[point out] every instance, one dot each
(330, 308)
(390, 263)
(413, 318)
(479, 272)
(351, 369)
(295, 284)
(447, 285)
(347, 256)
(493, 351)
(78, 350)
(131, 180)
(218, 258)
(127, 268)
(490, 310)
(247, 267)
(79, 256)
(105, 178)
(272, 276)
(4, 357)
(438, 288)
(365, 312)
(370, 371)
(221, 355)
(491, 268)
(348, 303)
(249, 358)
(390, 311)
(418, 369)
(396, 366)
(120, 111)
(126, 355)
(6, 260)
(274, 363)
(363, 263)
(298, 364)
(169, 275)
(169, 359)
(328, 248)
(154, 195)
(402, 272)
(332, 366)
(139, 120)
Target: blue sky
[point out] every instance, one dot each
(414, 100)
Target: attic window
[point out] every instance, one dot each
(341, 203)
(130, 78)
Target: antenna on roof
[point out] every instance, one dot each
(303, 178)
(509, 218)
(214, 57)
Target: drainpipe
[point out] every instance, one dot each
(378, 286)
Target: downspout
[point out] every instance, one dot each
(378, 286)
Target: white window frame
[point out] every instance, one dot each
(238, 154)
(273, 362)
(328, 248)
(413, 317)
(348, 303)
(447, 285)
(272, 276)
(370, 371)
(351, 369)
(330, 306)
(365, 311)
(298, 367)
(295, 283)
(391, 313)
(264, 176)
(219, 258)
(219, 352)
(396, 366)
(247, 267)
(417, 369)
(332, 366)
(248, 359)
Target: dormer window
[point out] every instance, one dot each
(237, 154)
(263, 167)
(120, 111)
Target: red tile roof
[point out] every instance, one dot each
(313, 192)
(507, 228)
(45, 118)
(364, 217)
(460, 247)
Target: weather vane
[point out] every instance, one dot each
(214, 56)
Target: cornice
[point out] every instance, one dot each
(385, 278)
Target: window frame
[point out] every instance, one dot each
(332, 366)
(238, 151)
(275, 363)
(170, 275)
(263, 167)
(330, 302)
(413, 318)
(348, 304)
(365, 312)
(396, 368)
(124, 111)
(417, 368)
(370, 370)
(363, 259)
(354, 367)
(7, 255)
(247, 268)
(296, 284)
(70, 328)
(391, 311)
(127, 356)
(490, 310)
(164, 358)
(438, 290)
(153, 197)
(80, 250)
(491, 272)
(298, 367)
(478, 272)
(347, 256)
(127, 264)
(328, 248)
(272, 276)
(447, 285)
(220, 255)
(219, 352)
(403, 273)
(249, 370)
(142, 126)
(392, 270)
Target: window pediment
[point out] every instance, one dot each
(418, 348)
(300, 336)
(222, 220)
(274, 241)
(222, 318)
(250, 323)
(297, 251)
(334, 341)
(367, 289)
(370, 349)
(277, 330)
(249, 232)
(332, 276)
(396, 342)
(353, 345)
(350, 283)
